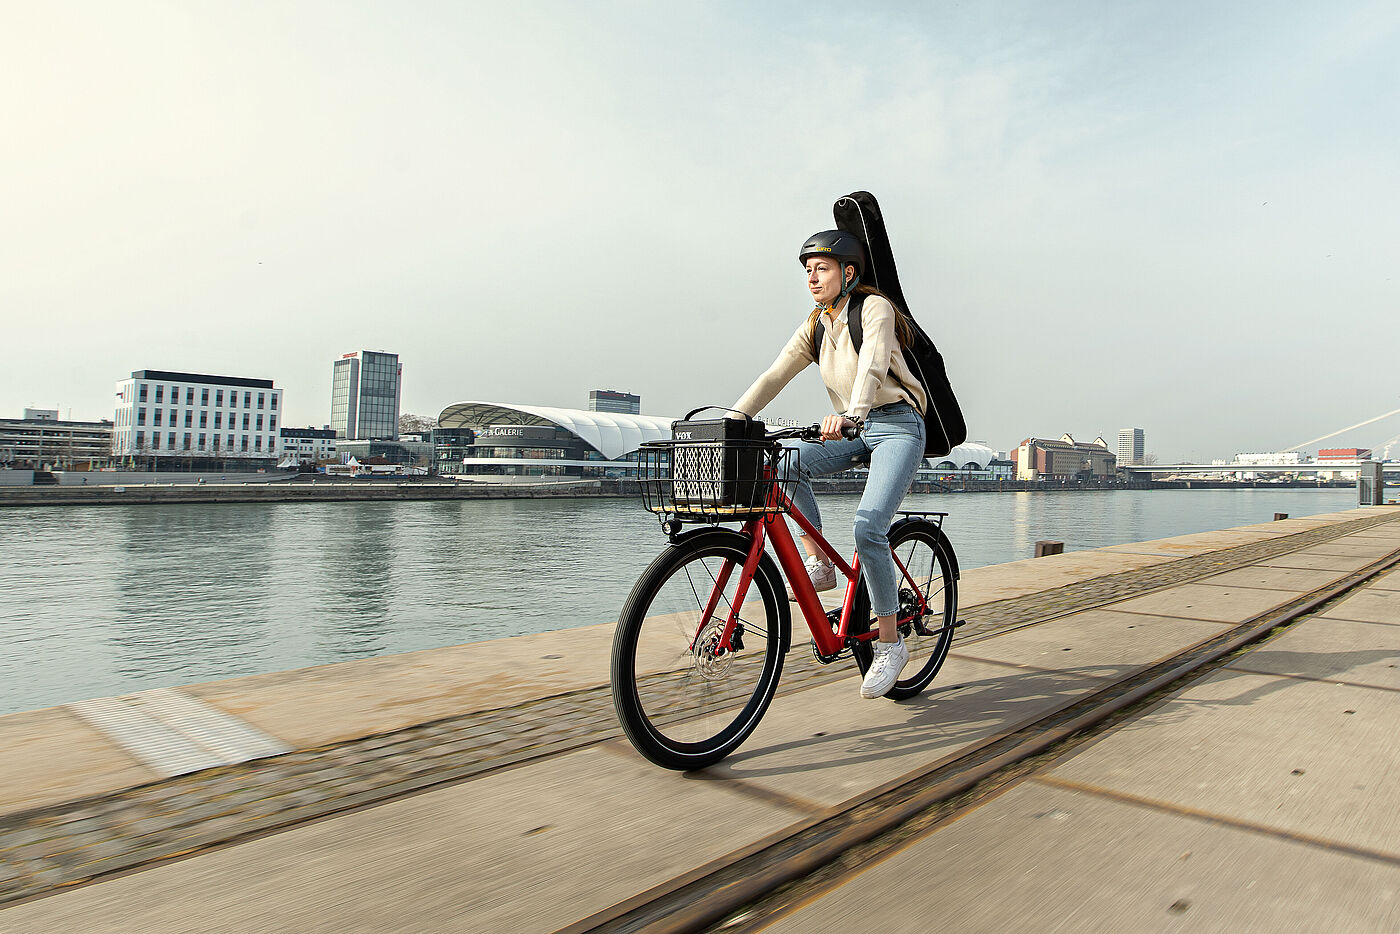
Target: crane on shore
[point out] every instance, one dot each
(1349, 428)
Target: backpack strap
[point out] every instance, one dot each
(855, 327)
(853, 320)
(853, 324)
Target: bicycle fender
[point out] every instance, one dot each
(942, 540)
(766, 566)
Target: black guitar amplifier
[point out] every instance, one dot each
(717, 464)
(718, 429)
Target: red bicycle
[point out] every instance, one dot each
(702, 637)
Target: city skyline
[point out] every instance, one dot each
(1147, 454)
(1179, 217)
(1130, 438)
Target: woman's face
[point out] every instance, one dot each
(824, 278)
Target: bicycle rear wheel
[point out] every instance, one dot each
(684, 702)
(920, 546)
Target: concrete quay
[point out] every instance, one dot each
(279, 490)
(1241, 801)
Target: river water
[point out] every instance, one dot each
(96, 601)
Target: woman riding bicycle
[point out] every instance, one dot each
(873, 390)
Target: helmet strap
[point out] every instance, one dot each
(855, 281)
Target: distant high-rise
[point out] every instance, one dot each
(365, 388)
(1132, 448)
(607, 400)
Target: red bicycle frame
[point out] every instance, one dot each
(828, 641)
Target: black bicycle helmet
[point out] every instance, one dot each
(838, 243)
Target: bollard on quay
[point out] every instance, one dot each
(1043, 548)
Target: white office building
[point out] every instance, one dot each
(1132, 446)
(167, 419)
(305, 446)
(1274, 457)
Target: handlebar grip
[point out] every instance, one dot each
(814, 433)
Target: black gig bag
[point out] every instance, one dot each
(859, 213)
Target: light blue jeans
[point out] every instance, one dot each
(893, 441)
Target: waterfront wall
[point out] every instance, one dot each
(163, 478)
(294, 492)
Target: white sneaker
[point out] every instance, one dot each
(890, 659)
(821, 574)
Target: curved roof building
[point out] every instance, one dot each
(969, 453)
(543, 441)
(611, 434)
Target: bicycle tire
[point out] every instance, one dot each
(922, 547)
(686, 709)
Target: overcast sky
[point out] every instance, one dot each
(1180, 216)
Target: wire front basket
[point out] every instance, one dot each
(714, 481)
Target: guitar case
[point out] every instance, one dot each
(859, 213)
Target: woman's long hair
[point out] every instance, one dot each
(903, 331)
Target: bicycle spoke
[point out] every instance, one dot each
(701, 602)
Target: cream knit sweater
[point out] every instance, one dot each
(855, 382)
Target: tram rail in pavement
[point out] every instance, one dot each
(743, 890)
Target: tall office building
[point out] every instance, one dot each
(1131, 446)
(365, 388)
(606, 400)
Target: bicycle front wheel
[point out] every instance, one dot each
(921, 548)
(684, 700)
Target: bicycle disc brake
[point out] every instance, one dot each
(712, 661)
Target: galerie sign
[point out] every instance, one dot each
(514, 431)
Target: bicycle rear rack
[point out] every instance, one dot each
(936, 517)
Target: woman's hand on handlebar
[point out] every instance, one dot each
(845, 428)
(836, 427)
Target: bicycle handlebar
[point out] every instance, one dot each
(810, 433)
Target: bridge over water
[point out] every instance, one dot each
(1329, 468)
